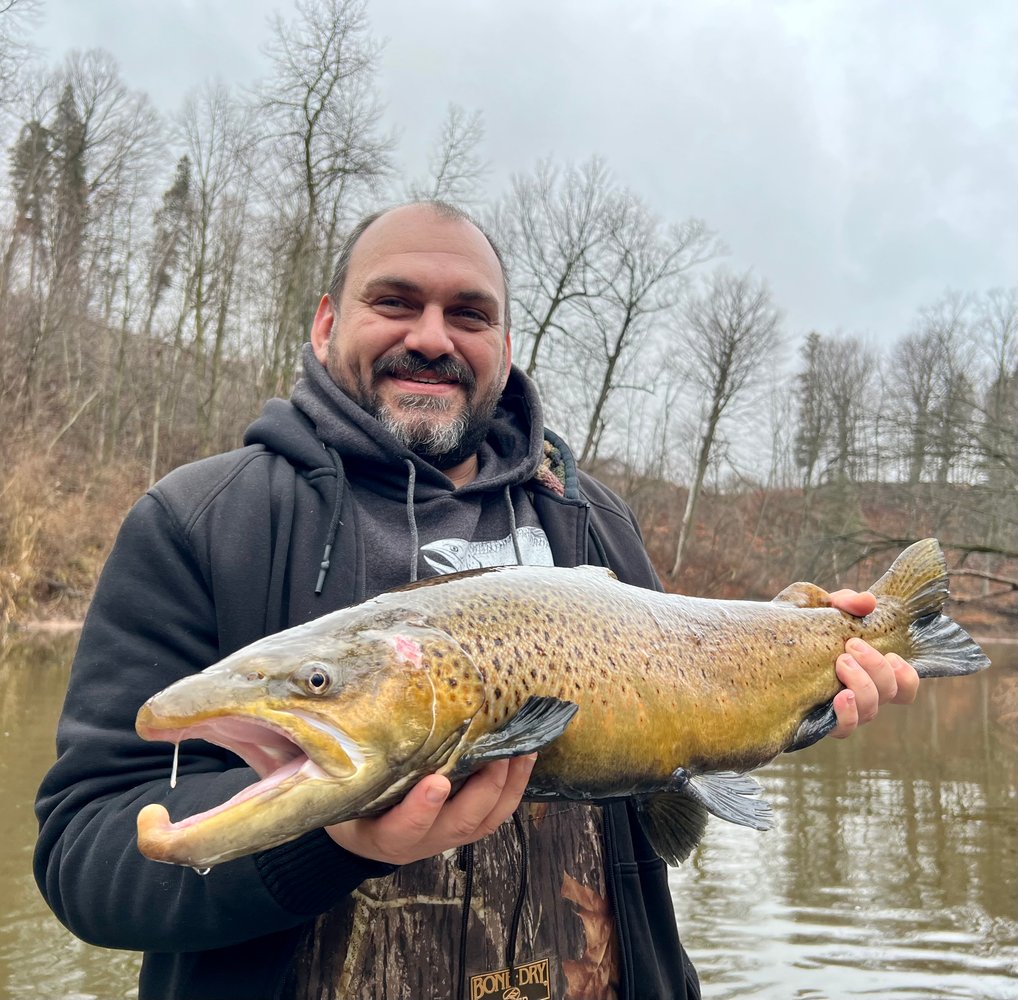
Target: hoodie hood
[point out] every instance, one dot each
(322, 431)
(509, 455)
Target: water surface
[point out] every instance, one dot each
(891, 870)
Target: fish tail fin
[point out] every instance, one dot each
(940, 646)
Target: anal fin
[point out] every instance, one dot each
(814, 727)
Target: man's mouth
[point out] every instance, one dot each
(423, 383)
(427, 379)
(414, 372)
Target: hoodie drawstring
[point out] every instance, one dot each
(335, 522)
(513, 533)
(466, 864)
(521, 895)
(466, 861)
(411, 517)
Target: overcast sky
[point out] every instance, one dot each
(862, 155)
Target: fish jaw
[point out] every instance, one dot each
(384, 724)
(280, 808)
(302, 784)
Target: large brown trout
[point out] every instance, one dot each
(625, 692)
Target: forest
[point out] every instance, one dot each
(158, 275)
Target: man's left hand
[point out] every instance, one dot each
(871, 678)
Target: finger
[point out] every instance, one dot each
(467, 810)
(876, 666)
(396, 835)
(847, 713)
(520, 769)
(906, 679)
(859, 682)
(853, 602)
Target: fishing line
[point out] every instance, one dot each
(173, 772)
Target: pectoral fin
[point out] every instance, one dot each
(535, 725)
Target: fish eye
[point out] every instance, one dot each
(314, 677)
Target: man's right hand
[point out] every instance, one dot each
(428, 822)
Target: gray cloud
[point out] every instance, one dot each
(860, 155)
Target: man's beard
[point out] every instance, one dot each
(444, 443)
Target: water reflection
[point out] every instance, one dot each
(891, 871)
(38, 957)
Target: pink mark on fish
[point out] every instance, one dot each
(409, 650)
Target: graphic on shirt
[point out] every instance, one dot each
(452, 555)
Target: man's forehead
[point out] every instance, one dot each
(420, 229)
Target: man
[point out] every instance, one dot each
(409, 447)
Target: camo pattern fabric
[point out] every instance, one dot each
(399, 937)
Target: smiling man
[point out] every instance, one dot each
(409, 447)
(419, 338)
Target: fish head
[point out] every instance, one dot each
(335, 726)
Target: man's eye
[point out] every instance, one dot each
(472, 316)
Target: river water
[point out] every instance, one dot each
(891, 872)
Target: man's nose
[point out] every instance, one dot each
(430, 334)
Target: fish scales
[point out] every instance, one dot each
(623, 692)
(625, 654)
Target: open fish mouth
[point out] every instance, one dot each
(273, 752)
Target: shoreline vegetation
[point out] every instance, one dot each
(59, 517)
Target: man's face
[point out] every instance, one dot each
(418, 339)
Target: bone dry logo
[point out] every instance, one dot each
(528, 982)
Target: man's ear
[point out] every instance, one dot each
(321, 329)
(508, 354)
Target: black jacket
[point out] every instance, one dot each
(218, 554)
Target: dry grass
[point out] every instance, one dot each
(58, 519)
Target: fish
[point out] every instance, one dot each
(623, 692)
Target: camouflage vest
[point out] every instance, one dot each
(400, 937)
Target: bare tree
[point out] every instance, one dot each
(641, 272)
(929, 378)
(997, 330)
(172, 224)
(219, 140)
(322, 115)
(455, 170)
(727, 331)
(15, 16)
(81, 162)
(555, 222)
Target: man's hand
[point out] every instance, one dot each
(871, 679)
(428, 822)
